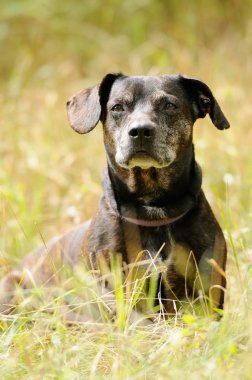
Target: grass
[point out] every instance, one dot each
(50, 181)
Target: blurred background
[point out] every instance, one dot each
(50, 49)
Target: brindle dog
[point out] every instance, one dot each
(152, 199)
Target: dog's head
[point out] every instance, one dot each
(147, 120)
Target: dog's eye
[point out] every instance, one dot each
(117, 108)
(169, 106)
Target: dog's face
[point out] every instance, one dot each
(147, 120)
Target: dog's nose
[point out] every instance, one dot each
(142, 132)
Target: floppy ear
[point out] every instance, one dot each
(85, 108)
(203, 102)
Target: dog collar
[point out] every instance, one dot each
(141, 216)
(153, 223)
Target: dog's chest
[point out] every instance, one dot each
(146, 243)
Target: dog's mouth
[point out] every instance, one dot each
(143, 159)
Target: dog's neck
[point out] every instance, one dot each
(154, 194)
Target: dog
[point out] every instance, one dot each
(152, 201)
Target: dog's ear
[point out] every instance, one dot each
(85, 109)
(203, 102)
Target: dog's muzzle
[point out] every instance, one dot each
(140, 151)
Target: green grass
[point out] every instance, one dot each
(50, 181)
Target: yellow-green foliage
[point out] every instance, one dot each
(50, 177)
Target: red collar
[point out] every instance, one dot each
(153, 223)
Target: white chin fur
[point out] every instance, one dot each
(141, 163)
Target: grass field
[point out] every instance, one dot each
(50, 176)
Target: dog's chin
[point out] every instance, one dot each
(142, 161)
